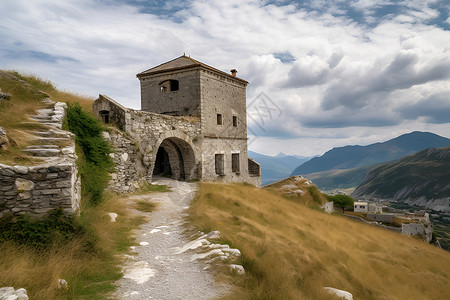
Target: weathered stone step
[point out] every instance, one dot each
(43, 152)
(45, 120)
(43, 147)
(51, 140)
(53, 134)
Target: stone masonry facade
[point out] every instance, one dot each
(192, 126)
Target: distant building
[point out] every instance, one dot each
(192, 125)
(360, 206)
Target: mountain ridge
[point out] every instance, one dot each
(353, 156)
(420, 179)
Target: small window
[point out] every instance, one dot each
(235, 121)
(174, 85)
(219, 159)
(235, 162)
(169, 86)
(105, 116)
(219, 119)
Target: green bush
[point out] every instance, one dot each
(39, 233)
(94, 162)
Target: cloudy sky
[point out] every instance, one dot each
(322, 73)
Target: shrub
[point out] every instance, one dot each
(39, 233)
(94, 161)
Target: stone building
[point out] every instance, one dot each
(192, 125)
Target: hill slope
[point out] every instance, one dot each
(291, 251)
(421, 179)
(274, 168)
(357, 156)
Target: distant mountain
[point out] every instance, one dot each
(339, 179)
(421, 179)
(274, 168)
(357, 156)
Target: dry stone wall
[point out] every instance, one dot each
(36, 190)
(126, 177)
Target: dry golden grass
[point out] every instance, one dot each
(291, 251)
(27, 93)
(90, 270)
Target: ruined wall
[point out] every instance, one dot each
(39, 189)
(386, 218)
(150, 130)
(126, 176)
(424, 230)
(183, 102)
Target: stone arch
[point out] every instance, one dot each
(174, 152)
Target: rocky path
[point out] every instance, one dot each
(161, 267)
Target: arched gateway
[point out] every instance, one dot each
(175, 158)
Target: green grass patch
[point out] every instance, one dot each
(160, 188)
(93, 151)
(145, 206)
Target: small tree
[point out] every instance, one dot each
(342, 201)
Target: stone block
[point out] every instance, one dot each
(50, 191)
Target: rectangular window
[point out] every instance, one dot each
(234, 121)
(219, 164)
(219, 119)
(235, 162)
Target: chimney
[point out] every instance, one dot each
(233, 72)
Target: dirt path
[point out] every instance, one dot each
(158, 270)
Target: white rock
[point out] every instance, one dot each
(143, 243)
(113, 216)
(139, 272)
(340, 293)
(214, 252)
(124, 156)
(62, 284)
(155, 230)
(192, 245)
(235, 252)
(6, 292)
(238, 269)
(213, 235)
(288, 186)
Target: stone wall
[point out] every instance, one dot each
(183, 102)
(126, 177)
(424, 230)
(36, 190)
(386, 218)
(39, 189)
(150, 130)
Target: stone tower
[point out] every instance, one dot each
(192, 123)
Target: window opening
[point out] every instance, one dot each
(219, 161)
(235, 162)
(105, 116)
(169, 86)
(235, 121)
(219, 119)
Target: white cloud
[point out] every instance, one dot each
(340, 73)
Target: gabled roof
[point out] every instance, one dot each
(183, 62)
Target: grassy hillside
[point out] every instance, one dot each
(27, 93)
(83, 250)
(357, 156)
(291, 251)
(425, 174)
